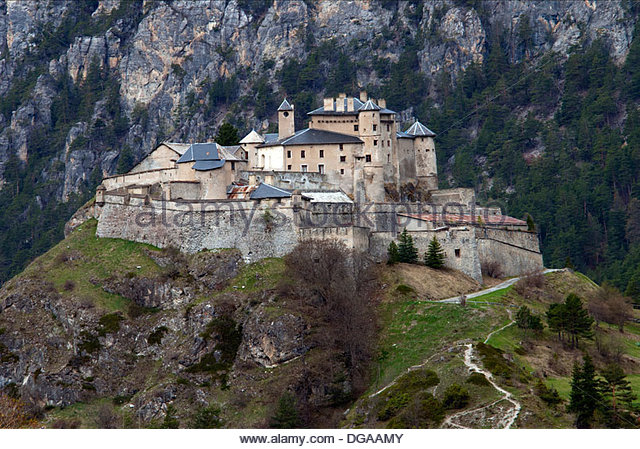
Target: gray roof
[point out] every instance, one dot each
(357, 104)
(270, 137)
(403, 135)
(285, 106)
(208, 165)
(369, 106)
(310, 136)
(418, 129)
(264, 191)
(200, 152)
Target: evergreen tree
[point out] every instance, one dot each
(586, 394)
(227, 135)
(170, 419)
(570, 318)
(434, 257)
(407, 251)
(617, 390)
(125, 160)
(526, 320)
(286, 416)
(531, 226)
(393, 256)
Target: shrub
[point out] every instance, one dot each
(491, 269)
(155, 338)
(478, 379)
(89, 343)
(121, 399)
(207, 418)
(405, 289)
(393, 256)
(421, 412)
(170, 419)
(548, 395)
(69, 285)
(107, 419)
(455, 397)
(394, 404)
(109, 324)
(286, 416)
(66, 424)
(494, 361)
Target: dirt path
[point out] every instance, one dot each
(509, 413)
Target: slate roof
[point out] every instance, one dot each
(231, 153)
(252, 137)
(200, 152)
(337, 196)
(357, 106)
(419, 130)
(310, 136)
(403, 135)
(264, 191)
(270, 137)
(369, 106)
(208, 165)
(179, 148)
(285, 106)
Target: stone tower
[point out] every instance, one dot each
(372, 160)
(286, 124)
(250, 143)
(425, 154)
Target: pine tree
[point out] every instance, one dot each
(393, 256)
(617, 389)
(286, 416)
(586, 394)
(227, 135)
(570, 318)
(407, 251)
(434, 257)
(526, 320)
(531, 226)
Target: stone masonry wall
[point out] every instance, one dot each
(515, 252)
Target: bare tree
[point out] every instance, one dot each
(608, 305)
(340, 289)
(13, 414)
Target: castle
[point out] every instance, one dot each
(341, 178)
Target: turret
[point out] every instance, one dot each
(286, 124)
(425, 153)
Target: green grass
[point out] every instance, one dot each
(414, 330)
(496, 296)
(82, 258)
(262, 275)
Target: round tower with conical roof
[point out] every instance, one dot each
(425, 155)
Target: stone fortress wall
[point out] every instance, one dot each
(192, 226)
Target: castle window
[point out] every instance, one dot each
(388, 158)
(382, 143)
(375, 127)
(321, 169)
(457, 251)
(355, 127)
(342, 171)
(388, 127)
(233, 165)
(367, 158)
(375, 143)
(343, 158)
(288, 167)
(388, 143)
(341, 147)
(288, 153)
(303, 168)
(321, 153)
(302, 154)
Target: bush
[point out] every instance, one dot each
(170, 419)
(421, 412)
(393, 405)
(207, 418)
(491, 269)
(109, 324)
(528, 283)
(155, 338)
(493, 360)
(548, 395)
(405, 289)
(66, 424)
(286, 416)
(455, 397)
(69, 285)
(478, 379)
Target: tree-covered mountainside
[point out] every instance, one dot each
(535, 103)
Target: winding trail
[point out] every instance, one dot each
(511, 413)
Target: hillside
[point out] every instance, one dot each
(535, 104)
(110, 333)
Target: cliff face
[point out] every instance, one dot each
(160, 53)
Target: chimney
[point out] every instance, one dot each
(350, 107)
(382, 103)
(363, 96)
(328, 104)
(340, 103)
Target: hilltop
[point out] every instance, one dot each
(111, 333)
